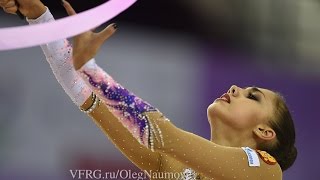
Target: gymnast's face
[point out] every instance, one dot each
(241, 109)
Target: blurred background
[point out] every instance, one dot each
(179, 56)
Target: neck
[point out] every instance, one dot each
(232, 138)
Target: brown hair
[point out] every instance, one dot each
(284, 149)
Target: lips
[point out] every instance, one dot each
(226, 98)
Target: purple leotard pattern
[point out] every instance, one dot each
(127, 107)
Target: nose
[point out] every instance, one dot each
(234, 90)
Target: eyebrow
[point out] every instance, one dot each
(255, 89)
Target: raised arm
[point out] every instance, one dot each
(59, 56)
(139, 155)
(156, 132)
(153, 130)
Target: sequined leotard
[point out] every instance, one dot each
(154, 144)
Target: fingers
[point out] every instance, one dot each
(4, 2)
(9, 6)
(68, 8)
(11, 10)
(107, 32)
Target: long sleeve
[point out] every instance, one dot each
(153, 130)
(59, 56)
(128, 108)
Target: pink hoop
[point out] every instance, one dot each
(28, 36)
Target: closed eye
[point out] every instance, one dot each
(253, 97)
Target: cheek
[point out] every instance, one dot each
(244, 117)
(238, 117)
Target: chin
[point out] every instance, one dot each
(213, 111)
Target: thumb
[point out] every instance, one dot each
(68, 8)
(107, 32)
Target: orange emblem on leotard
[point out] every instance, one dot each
(266, 157)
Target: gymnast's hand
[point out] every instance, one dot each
(32, 9)
(87, 45)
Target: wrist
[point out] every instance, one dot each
(78, 62)
(33, 11)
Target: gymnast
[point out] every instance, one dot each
(252, 131)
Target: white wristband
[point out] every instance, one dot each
(59, 56)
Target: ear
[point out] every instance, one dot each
(264, 132)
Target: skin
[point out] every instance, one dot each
(31, 9)
(85, 47)
(243, 122)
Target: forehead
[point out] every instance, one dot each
(269, 98)
(268, 102)
(268, 93)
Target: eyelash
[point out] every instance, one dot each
(253, 97)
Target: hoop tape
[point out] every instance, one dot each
(29, 36)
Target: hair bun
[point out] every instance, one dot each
(288, 158)
(293, 152)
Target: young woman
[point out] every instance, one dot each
(252, 132)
